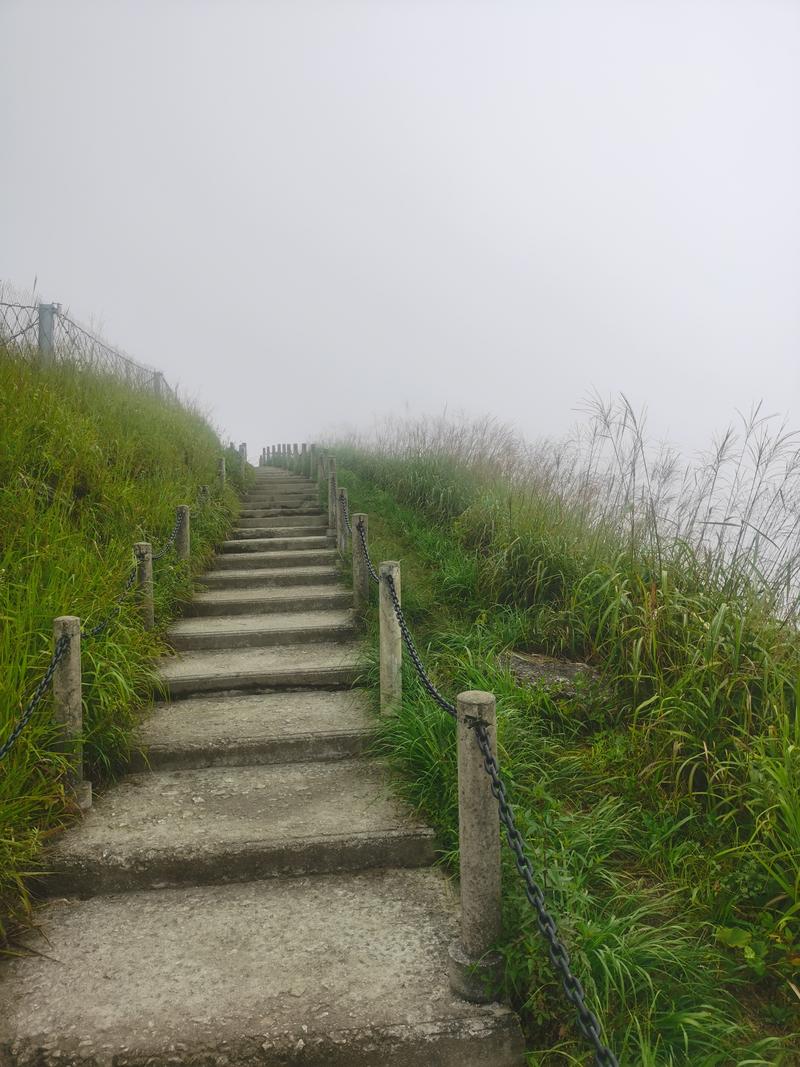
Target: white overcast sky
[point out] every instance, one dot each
(311, 213)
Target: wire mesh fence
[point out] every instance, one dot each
(48, 333)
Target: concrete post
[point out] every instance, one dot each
(311, 463)
(332, 495)
(243, 453)
(144, 582)
(183, 538)
(360, 571)
(68, 706)
(46, 338)
(391, 641)
(158, 383)
(221, 471)
(295, 449)
(474, 966)
(322, 471)
(341, 525)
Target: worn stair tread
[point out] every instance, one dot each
(228, 823)
(256, 578)
(277, 544)
(292, 598)
(278, 558)
(344, 971)
(247, 720)
(275, 665)
(279, 532)
(282, 620)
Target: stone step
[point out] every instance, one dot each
(278, 544)
(265, 601)
(269, 578)
(290, 493)
(278, 558)
(269, 520)
(261, 631)
(234, 824)
(330, 665)
(324, 971)
(248, 729)
(254, 529)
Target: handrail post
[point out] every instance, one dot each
(68, 706)
(475, 967)
(221, 471)
(322, 471)
(341, 523)
(46, 331)
(391, 641)
(332, 486)
(312, 462)
(183, 539)
(144, 582)
(360, 571)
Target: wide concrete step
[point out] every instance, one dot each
(279, 532)
(269, 521)
(233, 824)
(328, 664)
(248, 729)
(249, 601)
(261, 631)
(257, 579)
(290, 494)
(279, 510)
(325, 971)
(278, 544)
(312, 557)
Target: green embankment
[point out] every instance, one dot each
(661, 803)
(87, 467)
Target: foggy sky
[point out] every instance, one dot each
(314, 213)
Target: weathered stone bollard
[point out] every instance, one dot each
(360, 570)
(183, 540)
(144, 582)
(475, 968)
(332, 495)
(391, 641)
(322, 472)
(68, 706)
(341, 522)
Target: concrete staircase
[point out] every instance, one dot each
(253, 893)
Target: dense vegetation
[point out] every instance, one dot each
(661, 801)
(88, 466)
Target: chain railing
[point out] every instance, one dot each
(62, 644)
(587, 1021)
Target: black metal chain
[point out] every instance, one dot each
(62, 644)
(416, 659)
(362, 534)
(95, 631)
(588, 1023)
(345, 512)
(171, 539)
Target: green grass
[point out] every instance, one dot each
(661, 802)
(87, 468)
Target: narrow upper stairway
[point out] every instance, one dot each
(253, 892)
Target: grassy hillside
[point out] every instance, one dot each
(661, 802)
(87, 467)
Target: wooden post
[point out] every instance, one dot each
(474, 965)
(183, 536)
(391, 641)
(144, 582)
(68, 706)
(360, 570)
(332, 502)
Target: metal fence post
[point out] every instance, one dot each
(46, 338)
(332, 486)
(183, 540)
(68, 706)
(360, 571)
(475, 968)
(144, 582)
(341, 523)
(391, 641)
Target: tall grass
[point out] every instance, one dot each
(664, 799)
(88, 466)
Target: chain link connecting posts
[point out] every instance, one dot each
(342, 523)
(360, 568)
